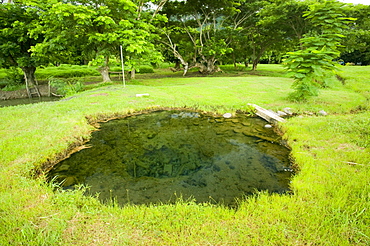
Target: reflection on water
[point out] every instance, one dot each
(161, 156)
(21, 101)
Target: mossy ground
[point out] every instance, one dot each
(331, 191)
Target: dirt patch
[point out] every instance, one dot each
(100, 94)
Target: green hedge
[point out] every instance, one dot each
(71, 71)
(139, 69)
(230, 67)
(66, 71)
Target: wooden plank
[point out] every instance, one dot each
(119, 74)
(33, 90)
(266, 114)
(142, 95)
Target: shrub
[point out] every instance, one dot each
(66, 87)
(230, 68)
(145, 69)
(115, 69)
(139, 69)
(13, 77)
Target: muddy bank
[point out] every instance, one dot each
(18, 94)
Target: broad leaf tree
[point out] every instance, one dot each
(273, 27)
(357, 39)
(16, 22)
(240, 29)
(203, 33)
(148, 16)
(279, 27)
(96, 28)
(194, 32)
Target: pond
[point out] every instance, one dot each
(163, 156)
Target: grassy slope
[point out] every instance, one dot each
(330, 202)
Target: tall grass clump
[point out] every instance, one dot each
(66, 87)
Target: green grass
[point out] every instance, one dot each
(330, 201)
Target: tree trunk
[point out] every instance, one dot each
(234, 60)
(183, 62)
(207, 66)
(132, 73)
(255, 63)
(29, 75)
(256, 58)
(104, 70)
(177, 65)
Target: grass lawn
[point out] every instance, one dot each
(331, 190)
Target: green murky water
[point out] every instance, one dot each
(162, 156)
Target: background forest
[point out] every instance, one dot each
(198, 34)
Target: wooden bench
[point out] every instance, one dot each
(119, 74)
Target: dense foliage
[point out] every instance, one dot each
(191, 33)
(357, 41)
(16, 20)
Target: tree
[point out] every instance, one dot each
(278, 28)
(357, 41)
(203, 33)
(148, 14)
(239, 30)
(16, 22)
(314, 64)
(96, 27)
(194, 32)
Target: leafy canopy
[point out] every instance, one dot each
(16, 22)
(91, 29)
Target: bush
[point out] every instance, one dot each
(2, 73)
(66, 87)
(139, 69)
(165, 65)
(145, 69)
(115, 69)
(230, 68)
(13, 77)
